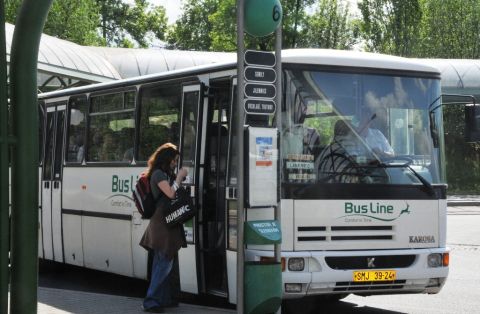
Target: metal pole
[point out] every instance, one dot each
(4, 225)
(24, 113)
(278, 122)
(240, 149)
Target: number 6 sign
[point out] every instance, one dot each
(262, 17)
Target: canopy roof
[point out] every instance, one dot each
(102, 64)
(460, 76)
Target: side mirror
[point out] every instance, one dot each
(472, 123)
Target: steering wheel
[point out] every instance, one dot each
(408, 160)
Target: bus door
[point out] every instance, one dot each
(41, 138)
(211, 223)
(192, 97)
(52, 183)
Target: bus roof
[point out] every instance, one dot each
(325, 57)
(355, 59)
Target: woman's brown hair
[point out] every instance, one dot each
(162, 159)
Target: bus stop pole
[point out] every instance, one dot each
(240, 157)
(24, 114)
(278, 123)
(4, 201)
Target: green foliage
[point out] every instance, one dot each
(192, 30)
(72, 20)
(332, 26)
(451, 29)
(294, 17)
(138, 19)
(391, 26)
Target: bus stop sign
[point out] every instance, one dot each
(262, 17)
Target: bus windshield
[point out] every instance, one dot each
(361, 128)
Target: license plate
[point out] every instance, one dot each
(374, 275)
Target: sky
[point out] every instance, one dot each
(172, 7)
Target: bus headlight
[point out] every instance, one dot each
(435, 260)
(293, 287)
(296, 264)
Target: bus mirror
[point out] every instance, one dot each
(472, 123)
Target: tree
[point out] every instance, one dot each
(119, 23)
(72, 20)
(294, 17)
(192, 30)
(451, 29)
(391, 26)
(138, 20)
(331, 26)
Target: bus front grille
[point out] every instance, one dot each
(369, 285)
(344, 233)
(378, 261)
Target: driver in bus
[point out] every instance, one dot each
(372, 140)
(336, 162)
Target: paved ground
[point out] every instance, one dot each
(55, 301)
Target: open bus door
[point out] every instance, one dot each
(192, 97)
(51, 217)
(211, 232)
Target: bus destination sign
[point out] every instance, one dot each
(262, 75)
(255, 90)
(259, 106)
(261, 58)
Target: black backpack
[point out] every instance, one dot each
(143, 197)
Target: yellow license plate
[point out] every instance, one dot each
(374, 275)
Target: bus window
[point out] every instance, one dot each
(159, 118)
(76, 128)
(189, 134)
(112, 128)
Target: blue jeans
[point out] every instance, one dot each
(159, 291)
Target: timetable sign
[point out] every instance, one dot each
(255, 90)
(261, 58)
(257, 74)
(259, 106)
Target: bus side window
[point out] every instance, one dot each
(77, 108)
(109, 115)
(159, 117)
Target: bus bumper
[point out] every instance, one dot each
(319, 277)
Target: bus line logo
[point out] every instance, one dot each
(123, 188)
(367, 212)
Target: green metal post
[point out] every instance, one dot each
(4, 227)
(24, 119)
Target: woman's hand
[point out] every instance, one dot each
(182, 173)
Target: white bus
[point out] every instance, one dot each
(373, 225)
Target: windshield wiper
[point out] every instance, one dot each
(430, 190)
(301, 191)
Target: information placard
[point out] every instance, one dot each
(261, 75)
(262, 177)
(259, 106)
